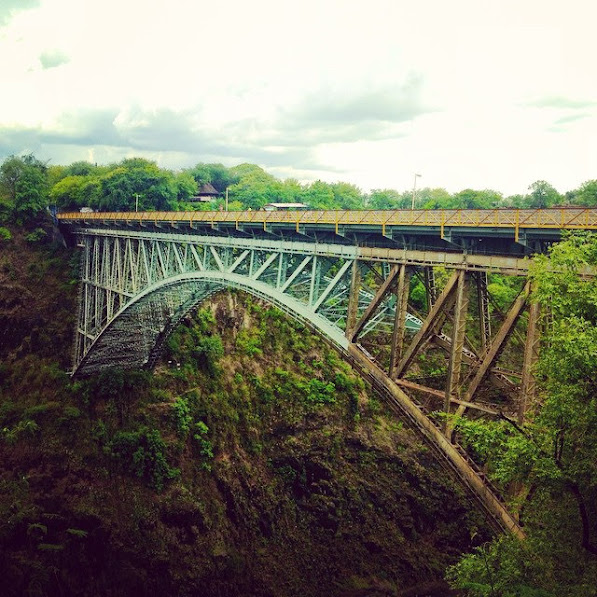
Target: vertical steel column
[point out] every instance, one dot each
(531, 355)
(458, 333)
(315, 274)
(282, 269)
(402, 292)
(483, 308)
(252, 263)
(353, 298)
(429, 277)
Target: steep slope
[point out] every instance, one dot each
(251, 462)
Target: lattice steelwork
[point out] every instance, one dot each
(139, 282)
(135, 286)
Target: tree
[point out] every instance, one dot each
(217, 175)
(471, 199)
(347, 196)
(157, 189)
(255, 187)
(385, 199)
(24, 182)
(430, 199)
(554, 454)
(291, 191)
(543, 195)
(587, 194)
(68, 192)
(320, 195)
(186, 185)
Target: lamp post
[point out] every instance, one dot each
(226, 199)
(136, 201)
(414, 191)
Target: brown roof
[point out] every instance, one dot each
(207, 189)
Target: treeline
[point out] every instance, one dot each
(29, 185)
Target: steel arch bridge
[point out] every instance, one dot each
(140, 275)
(136, 286)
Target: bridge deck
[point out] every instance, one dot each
(491, 231)
(515, 219)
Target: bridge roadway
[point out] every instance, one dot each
(345, 274)
(515, 232)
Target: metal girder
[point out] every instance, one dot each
(117, 269)
(399, 331)
(455, 362)
(379, 296)
(353, 299)
(531, 355)
(430, 325)
(137, 285)
(497, 345)
(483, 309)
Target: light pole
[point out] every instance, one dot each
(136, 201)
(226, 199)
(414, 191)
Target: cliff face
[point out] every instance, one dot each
(251, 462)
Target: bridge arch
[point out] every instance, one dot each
(138, 283)
(126, 342)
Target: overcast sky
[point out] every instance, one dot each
(468, 93)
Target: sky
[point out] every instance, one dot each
(467, 93)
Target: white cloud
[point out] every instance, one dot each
(471, 93)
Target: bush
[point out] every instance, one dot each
(182, 417)
(142, 453)
(39, 234)
(205, 446)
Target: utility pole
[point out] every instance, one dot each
(414, 191)
(226, 199)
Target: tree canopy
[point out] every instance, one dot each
(552, 457)
(29, 185)
(24, 183)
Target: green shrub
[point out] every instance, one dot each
(182, 417)
(5, 234)
(142, 453)
(205, 446)
(39, 234)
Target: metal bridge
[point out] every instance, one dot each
(348, 276)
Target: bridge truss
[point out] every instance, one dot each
(137, 285)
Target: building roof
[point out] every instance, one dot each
(287, 205)
(207, 189)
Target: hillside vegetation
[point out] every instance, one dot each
(251, 462)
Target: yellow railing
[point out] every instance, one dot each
(559, 218)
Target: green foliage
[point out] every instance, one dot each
(249, 342)
(24, 182)
(197, 342)
(182, 417)
(502, 290)
(504, 568)
(543, 195)
(386, 199)
(5, 234)
(205, 446)
(23, 429)
(143, 454)
(555, 452)
(38, 235)
(217, 175)
(587, 194)
(115, 187)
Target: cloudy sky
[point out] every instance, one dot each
(468, 93)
